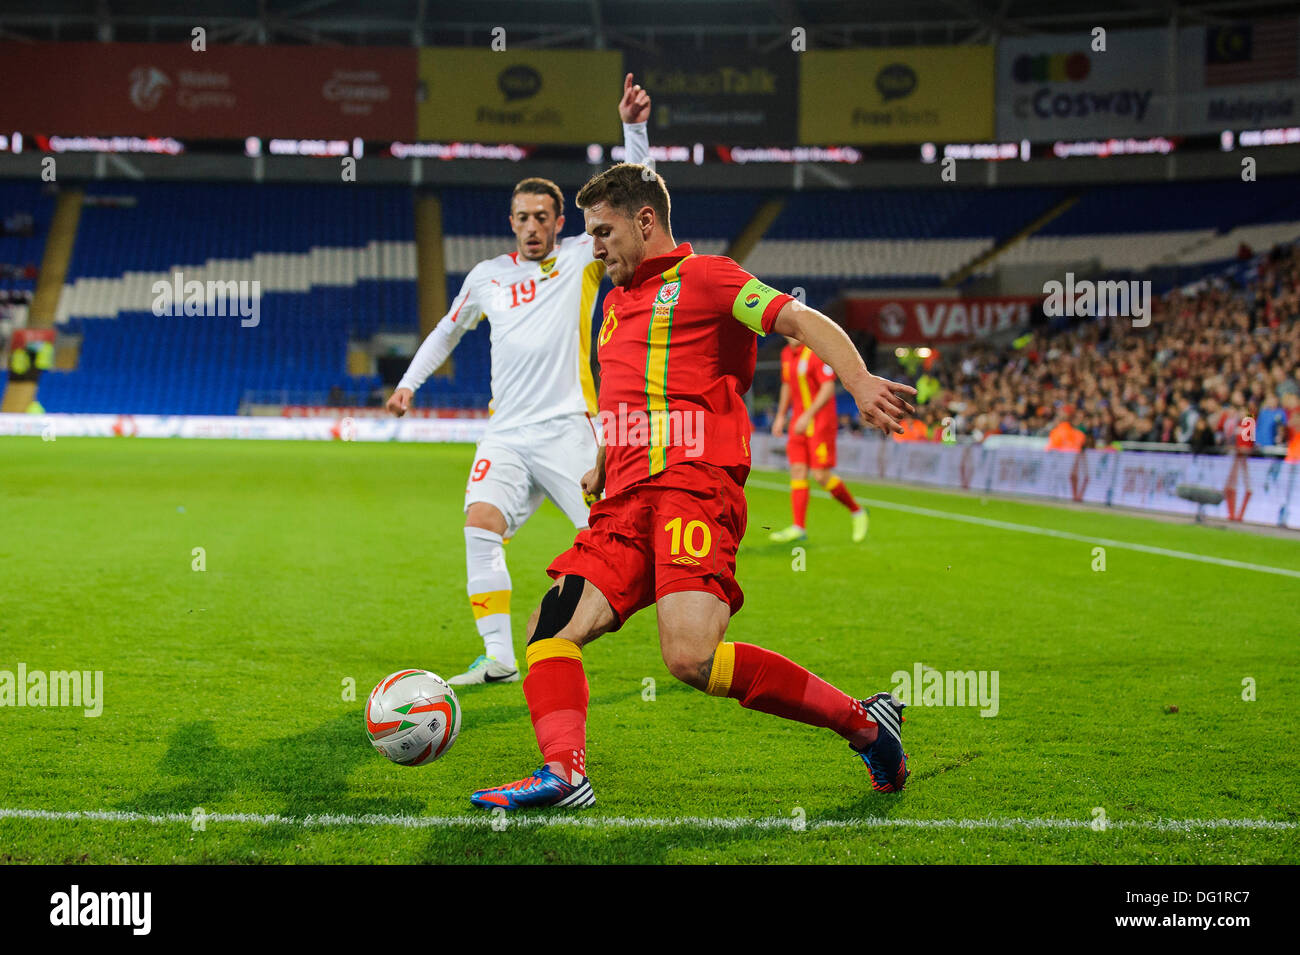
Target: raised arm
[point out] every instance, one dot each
(634, 110)
(880, 401)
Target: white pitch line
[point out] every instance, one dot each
(583, 821)
(1046, 532)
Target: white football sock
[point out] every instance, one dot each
(489, 592)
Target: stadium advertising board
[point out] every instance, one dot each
(904, 320)
(525, 96)
(896, 95)
(1256, 490)
(338, 427)
(1059, 87)
(729, 98)
(224, 92)
(1239, 76)
(335, 411)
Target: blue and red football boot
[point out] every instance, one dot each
(542, 790)
(885, 758)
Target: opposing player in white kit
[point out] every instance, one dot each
(540, 439)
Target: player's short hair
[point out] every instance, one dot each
(628, 187)
(536, 186)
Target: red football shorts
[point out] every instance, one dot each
(677, 531)
(816, 451)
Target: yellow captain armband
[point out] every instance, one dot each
(751, 302)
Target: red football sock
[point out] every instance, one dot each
(799, 502)
(557, 694)
(766, 681)
(841, 494)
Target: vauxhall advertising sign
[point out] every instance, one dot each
(935, 321)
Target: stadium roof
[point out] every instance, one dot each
(612, 24)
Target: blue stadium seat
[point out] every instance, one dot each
(135, 362)
(940, 213)
(31, 198)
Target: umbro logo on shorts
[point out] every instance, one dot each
(685, 560)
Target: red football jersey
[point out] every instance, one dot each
(677, 348)
(804, 373)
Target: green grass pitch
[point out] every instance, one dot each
(326, 563)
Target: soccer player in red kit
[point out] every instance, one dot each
(808, 393)
(677, 348)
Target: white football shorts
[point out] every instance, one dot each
(515, 469)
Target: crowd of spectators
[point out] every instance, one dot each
(1217, 367)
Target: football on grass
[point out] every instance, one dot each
(412, 717)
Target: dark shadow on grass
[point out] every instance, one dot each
(308, 771)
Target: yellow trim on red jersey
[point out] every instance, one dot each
(607, 327)
(591, 276)
(656, 366)
(804, 391)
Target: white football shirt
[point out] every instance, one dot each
(539, 313)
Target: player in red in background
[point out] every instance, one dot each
(677, 349)
(808, 392)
